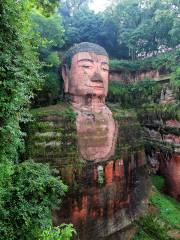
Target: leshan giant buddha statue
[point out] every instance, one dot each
(85, 72)
(97, 152)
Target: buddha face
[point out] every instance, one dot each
(88, 75)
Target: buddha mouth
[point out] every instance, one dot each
(96, 86)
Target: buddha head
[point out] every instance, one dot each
(85, 70)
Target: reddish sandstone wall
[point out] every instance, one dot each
(164, 161)
(116, 75)
(100, 210)
(104, 197)
(170, 169)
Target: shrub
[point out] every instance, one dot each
(151, 228)
(165, 62)
(63, 232)
(27, 198)
(135, 94)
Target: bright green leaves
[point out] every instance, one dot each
(27, 199)
(28, 190)
(19, 74)
(47, 7)
(63, 232)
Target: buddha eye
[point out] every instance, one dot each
(86, 66)
(105, 69)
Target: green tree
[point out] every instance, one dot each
(147, 27)
(28, 191)
(87, 26)
(51, 36)
(28, 197)
(174, 32)
(19, 74)
(69, 7)
(47, 7)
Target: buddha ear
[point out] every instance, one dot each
(65, 75)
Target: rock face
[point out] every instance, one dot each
(170, 169)
(164, 156)
(86, 81)
(108, 201)
(104, 197)
(167, 95)
(130, 77)
(97, 134)
(116, 75)
(168, 165)
(97, 150)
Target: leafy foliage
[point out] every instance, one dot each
(146, 26)
(167, 218)
(47, 7)
(165, 63)
(63, 232)
(28, 191)
(135, 94)
(158, 112)
(169, 207)
(83, 26)
(19, 74)
(27, 200)
(69, 7)
(127, 29)
(50, 32)
(152, 228)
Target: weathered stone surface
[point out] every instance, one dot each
(173, 123)
(167, 96)
(165, 155)
(98, 152)
(98, 211)
(170, 168)
(97, 134)
(117, 75)
(104, 197)
(86, 80)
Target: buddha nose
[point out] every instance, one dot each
(96, 78)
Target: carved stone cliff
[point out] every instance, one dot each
(104, 197)
(163, 144)
(96, 149)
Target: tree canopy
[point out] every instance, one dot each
(127, 28)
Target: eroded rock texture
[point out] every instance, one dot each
(98, 151)
(163, 139)
(170, 169)
(104, 197)
(127, 76)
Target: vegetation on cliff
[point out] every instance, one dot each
(164, 63)
(28, 190)
(164, 222)
(135, 94)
